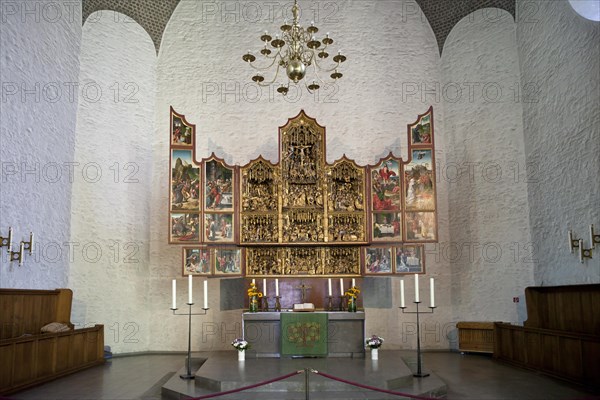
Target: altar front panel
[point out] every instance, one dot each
(346, 334)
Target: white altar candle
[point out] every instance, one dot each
(190, 289)
(9, 238)
(402, 293)
(265, 287)
(329, 286)
(341, 286)
(174, 294)
(31, 242)
(254, 281)
(592, 235)
(277, 287)
(431, 293)
(416, 288)
(353, 282)
(206, 293)
(22, 249)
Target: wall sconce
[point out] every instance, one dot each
(17, 255)
(584, 253)
(28, 245)
(594, 239)
(578, 244)
(6, 241)
(573, 243)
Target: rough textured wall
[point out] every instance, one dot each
(38, 107)
(560, 62)
(490, 249)
(110, 208)
(202, 75)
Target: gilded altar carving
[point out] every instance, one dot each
(301, 216)
(345, 202)
(302, 261)
(263, 261)
(342, 261)
(259, 182)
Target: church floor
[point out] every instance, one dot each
(468, 376)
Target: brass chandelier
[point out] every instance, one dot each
(296, 50)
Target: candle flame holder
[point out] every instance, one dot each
(329, 303)
(419, 373)
(188, 374)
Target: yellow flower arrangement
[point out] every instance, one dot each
(253, 291)
(352, 292)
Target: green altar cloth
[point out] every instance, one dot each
(304, 334)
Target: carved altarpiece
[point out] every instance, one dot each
(303, 217)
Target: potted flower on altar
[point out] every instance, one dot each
(254, 294)
(374, 343)
(241, 346)
(352, 294)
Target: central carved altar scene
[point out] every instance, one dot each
(296, 214)
(302, 217)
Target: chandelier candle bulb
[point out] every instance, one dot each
(341, 286)
(416, 288)
(206, 293)
(174, 290)
(276, 287)
(402, 304)
(329, 286)
(265, 287)
(432, 293)
(190, 289)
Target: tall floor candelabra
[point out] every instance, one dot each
(188, 374)
(419, 373)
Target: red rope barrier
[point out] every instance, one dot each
(360, 385)
(280, 378)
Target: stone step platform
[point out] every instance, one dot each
(221, 371)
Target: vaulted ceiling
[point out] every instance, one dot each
(153, 15)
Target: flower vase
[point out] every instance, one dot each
(374, 354)
(241, 355)
(351, 304)
(253, 304)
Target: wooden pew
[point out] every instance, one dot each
(561, 336)
(29, 357)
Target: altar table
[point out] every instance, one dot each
(344, 335)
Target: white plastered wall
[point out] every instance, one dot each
(490, 253)
(560, 67)
(38, 106)
(110, 207)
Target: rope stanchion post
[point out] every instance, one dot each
(306, 383)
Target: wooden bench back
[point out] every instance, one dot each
(572, 308)
(26, 311)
